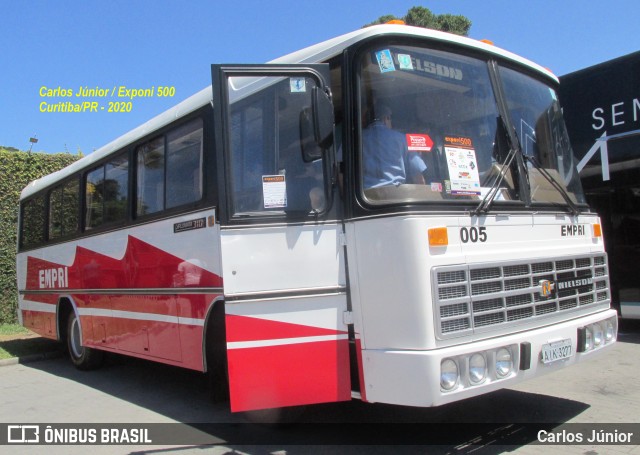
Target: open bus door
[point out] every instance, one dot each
(282, 259)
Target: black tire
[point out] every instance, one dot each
(82, 357)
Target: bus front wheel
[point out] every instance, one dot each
(83, 358)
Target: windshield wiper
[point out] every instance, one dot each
(485, 203)
(574, 208)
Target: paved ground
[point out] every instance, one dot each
(605, 390)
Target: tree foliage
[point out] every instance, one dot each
(420, 16)
(17, 169)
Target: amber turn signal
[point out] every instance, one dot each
(597, 230)
(438, 236)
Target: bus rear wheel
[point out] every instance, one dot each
(83, 358)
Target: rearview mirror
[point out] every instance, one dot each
(316, 126)
(323, 117)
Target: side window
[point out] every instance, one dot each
(116, 189)
(33, 222)
(107, 193)
(150, 190)
(169, 169)
(269, 173)
(55, 213)
(184, 164)
(64, 204)
(93, 197)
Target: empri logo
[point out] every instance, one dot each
(53, 278)
(23, 434)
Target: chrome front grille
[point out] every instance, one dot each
(482, 297)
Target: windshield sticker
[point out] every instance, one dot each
(419, 142)
(463, 166)
(385, 61)
(298, 84)
(436, 187)
(274, 191)
(426, 65)
(404, 62)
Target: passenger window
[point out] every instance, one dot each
(184, 164)
(150, 180)
(107, 193)
(55, 209)
(170, 175)
(93, 198)
(116, 189)
(64, 204)
(33, 222)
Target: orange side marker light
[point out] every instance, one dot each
(438, 236)
(597, 230)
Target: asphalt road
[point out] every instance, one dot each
(125, 390)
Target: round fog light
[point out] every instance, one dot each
(504, 362)
(477, 368)
(598, 335)
(609, 331)
(448, 374)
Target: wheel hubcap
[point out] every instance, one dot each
(76, 344)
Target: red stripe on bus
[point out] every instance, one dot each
(289, 375)
(244, 328)
(142, 266)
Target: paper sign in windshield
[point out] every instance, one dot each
(274, 191)
(462, 165)
(419, 142)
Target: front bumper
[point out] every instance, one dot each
(412, 378)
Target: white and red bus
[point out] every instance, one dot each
(263, 232)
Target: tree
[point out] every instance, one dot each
(420, 16)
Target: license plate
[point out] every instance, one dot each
(559, 350)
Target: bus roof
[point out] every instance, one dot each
(316, 53)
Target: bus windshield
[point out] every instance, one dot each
(537, 118)
(431, 130)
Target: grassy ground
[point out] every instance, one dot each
(16, 341)
(12, 330)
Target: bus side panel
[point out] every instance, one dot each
(39, 314)
(287, 353)
(143, 291)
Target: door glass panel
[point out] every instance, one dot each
(268, 174)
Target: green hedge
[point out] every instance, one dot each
(17, 169)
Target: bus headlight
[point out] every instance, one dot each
(448, 374)
(598, 335)
(588, 340)
(609, 331)
(477, 368)
(504, 362)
